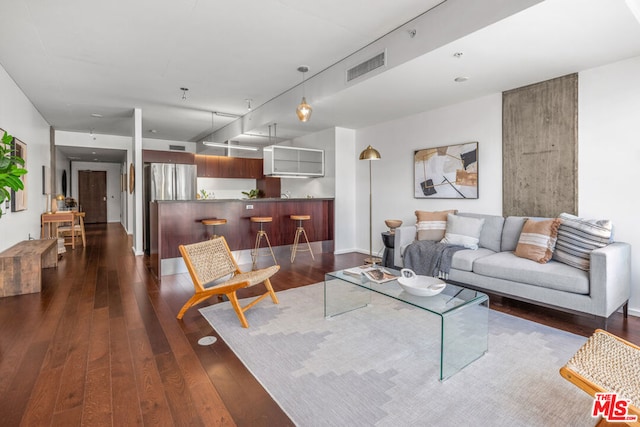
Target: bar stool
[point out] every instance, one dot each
(261, 233)
(214, 222)
(300, 232)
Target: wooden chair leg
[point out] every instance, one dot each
(233, 298)
(187, 305)
(274, 298)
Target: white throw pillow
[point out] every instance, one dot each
(463, 231)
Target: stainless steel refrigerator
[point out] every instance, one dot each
(167, 181)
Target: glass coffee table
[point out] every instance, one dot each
(464, 313)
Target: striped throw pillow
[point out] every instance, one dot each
(537, 240)
(431, 225)
(577, 237)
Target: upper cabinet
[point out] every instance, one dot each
(280, 160)
(228, 167)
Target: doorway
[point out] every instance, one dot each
(92, 195)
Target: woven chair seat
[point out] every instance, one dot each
(607, 364)
(253, 277)
(610, 363)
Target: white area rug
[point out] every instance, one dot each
(379, 366)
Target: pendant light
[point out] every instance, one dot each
(304, 110)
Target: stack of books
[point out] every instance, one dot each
(373, 273)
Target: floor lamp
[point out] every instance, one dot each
(370, 154)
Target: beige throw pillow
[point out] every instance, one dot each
(431, 225)
(538, 240)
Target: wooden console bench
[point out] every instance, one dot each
(21, 266)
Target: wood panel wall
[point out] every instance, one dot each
(540, 148)
(180, 222)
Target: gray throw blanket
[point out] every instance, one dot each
(429, 258)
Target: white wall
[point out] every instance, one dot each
(113, 185)
(345, 191)
(19, 118)
(477, 120)
(163, 145)
(226, 188)
(609, 155)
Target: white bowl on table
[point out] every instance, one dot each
(422, 286)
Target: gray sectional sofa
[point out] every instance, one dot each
(493, 267)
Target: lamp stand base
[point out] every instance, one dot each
(374, 261)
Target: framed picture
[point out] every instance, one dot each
(447, 172)
(19, 198)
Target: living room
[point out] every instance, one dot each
(608, 105)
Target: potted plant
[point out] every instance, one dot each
(11, 169)
(252, 194)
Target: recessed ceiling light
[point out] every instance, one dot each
(460, 79)
(153, 131)
(96, 115)
(93, 152)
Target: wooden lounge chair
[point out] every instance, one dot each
(214, 271)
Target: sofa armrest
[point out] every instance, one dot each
(404, 236)
(610, 277)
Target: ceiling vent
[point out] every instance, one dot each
(177, 147)
(367, 66)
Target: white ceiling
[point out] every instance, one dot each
(74, 58)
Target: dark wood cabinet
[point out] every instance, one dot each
(154, 156)
(228, 167)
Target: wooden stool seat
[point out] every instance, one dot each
(300, 232)
(261, 219)
(255, 253)
(214, 222)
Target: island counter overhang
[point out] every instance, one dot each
(176, 222)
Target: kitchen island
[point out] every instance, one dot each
(179, 222)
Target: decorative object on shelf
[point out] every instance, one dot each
(304, 110)
(252, 194)
(447, 172)
(392, 224)
(12, 180)
(422, 286)
(370, 154)
(132, 178)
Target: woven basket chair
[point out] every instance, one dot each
(214, 271)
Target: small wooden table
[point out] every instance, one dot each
(21, 266)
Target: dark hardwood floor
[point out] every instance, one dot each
(100, 345)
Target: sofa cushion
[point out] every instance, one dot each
(431, 225)
(552, 275)
(464, 259)
(537, 240)
(491, 235)
(511, 232)
(463, 231)
(577, 237)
